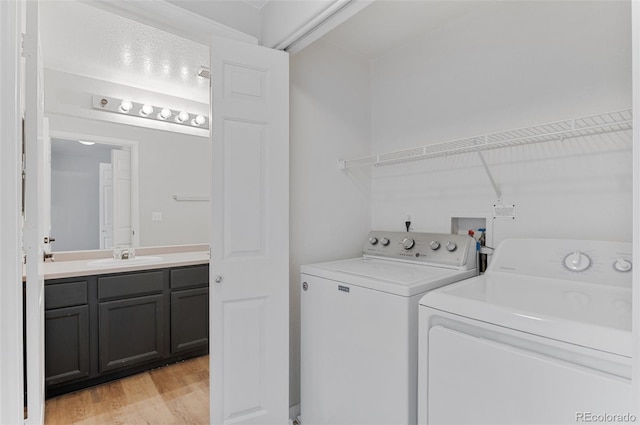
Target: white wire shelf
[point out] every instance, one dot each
(577, 127)
(190, 198)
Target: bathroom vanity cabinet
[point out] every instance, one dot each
(104, 327)
(67, 331)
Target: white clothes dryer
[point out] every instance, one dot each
(543, 337)
(359, 326)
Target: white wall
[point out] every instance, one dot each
(509, 65)
(170, 162)
(330, 210)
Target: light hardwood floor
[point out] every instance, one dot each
(175, 394)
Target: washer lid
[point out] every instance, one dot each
(596, 316)
(392, 276)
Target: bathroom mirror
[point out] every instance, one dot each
(84, 57)
(165, 195)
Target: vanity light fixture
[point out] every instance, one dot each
(146, 110)
(182, 117)
(125, 106)
(164, 114)
(198, 120)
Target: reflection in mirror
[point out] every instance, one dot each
(83, 206)
(98, 205)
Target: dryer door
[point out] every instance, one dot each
(474, 380)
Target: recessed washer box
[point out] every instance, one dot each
(461, 223)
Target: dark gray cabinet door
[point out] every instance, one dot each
(131, 331)
(67, 344)
(189, 319)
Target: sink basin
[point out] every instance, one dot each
(110, 262)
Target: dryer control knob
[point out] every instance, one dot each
(577, 261)
(408, 243)
(622, 265)
(373, 240)
(451, 246)
(384, 241)
(435, 245)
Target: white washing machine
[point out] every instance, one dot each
(543, 337)
(359, 326)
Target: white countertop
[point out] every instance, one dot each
(79, 264)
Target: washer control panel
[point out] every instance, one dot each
(579, 260)
(430, 248)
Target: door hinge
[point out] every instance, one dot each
(28, 46)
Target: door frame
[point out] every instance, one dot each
(11, 311)
(133, 146)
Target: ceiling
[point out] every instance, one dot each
(88, 41)
(258, 4)
(85, 40)
(387, 24)
(66, 147)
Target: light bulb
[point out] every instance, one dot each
(146, 110)
(182, 117)
(198, 120)
(125, 106)
(164, 114)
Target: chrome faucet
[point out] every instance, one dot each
(124, 253)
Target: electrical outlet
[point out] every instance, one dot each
(156, 216)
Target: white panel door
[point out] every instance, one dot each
(121, 169)
(106, 206)
(250, 234)
(34, 224)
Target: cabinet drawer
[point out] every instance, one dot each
(190, 276)
(68, 294)
(130, 284)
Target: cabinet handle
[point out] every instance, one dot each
(218, 279)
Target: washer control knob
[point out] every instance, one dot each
(451, 246)
(408, 243)
(577, 261)
(373, 240)
(622, 265)
(435, 245)
(385, 241)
